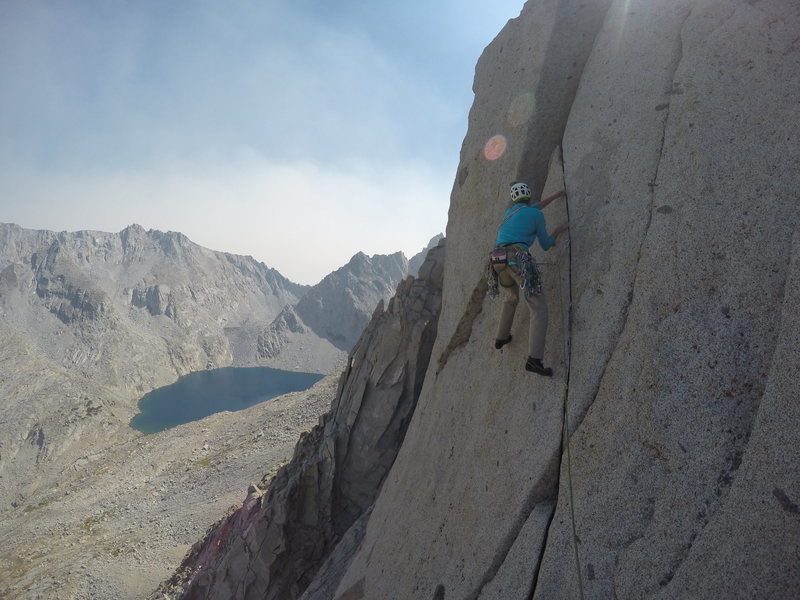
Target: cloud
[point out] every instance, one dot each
(141, 84)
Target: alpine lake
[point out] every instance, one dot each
(204, 393)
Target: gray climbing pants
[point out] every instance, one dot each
(510, 281)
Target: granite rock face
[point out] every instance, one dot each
(673, 322)
(273, 546)
(662, 459)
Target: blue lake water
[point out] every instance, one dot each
(204, 393)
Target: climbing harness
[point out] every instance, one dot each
(498, 256)
(522, 264)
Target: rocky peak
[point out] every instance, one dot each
(415, 262)
(389, 266)
(339, 306)
(132, 237)
(272, 339)
(89, 322)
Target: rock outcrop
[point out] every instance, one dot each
(273, 545)
(416, 261)
(337, 308)
(328, 319)
(274, 338)
(673, 335)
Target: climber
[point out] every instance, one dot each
(514, 268)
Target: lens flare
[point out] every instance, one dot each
(521, 109)
(495, 147)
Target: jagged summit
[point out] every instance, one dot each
(339, 306)
(415, 262)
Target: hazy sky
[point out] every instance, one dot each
(296, 131)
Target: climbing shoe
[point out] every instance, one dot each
(500, 343)
(535, 365)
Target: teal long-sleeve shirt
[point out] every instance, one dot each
(524, 226)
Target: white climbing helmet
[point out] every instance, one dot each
(520, 191)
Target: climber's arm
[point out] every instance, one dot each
(549, 199)
(546, 240)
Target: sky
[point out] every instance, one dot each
(299, 132)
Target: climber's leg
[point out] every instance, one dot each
(537, 335)
(511, 293)
(538, 325)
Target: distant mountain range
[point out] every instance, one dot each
(204, 308)
(90, 321)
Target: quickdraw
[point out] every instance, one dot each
(529, 273)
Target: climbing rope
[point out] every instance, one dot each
(565, 432)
